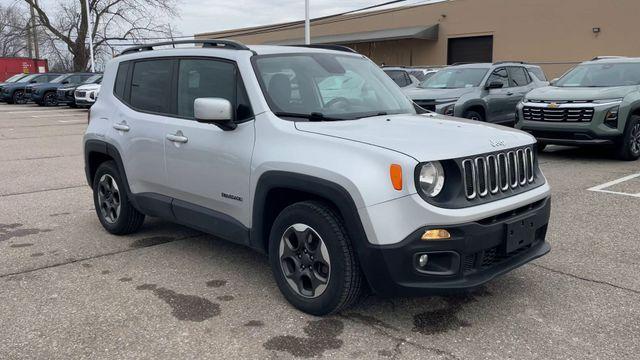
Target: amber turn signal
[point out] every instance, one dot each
(395, 171)
(436, 234)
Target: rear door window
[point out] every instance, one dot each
(518, 76)
(151, 86)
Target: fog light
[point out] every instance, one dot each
(422, 260)
(436, 234)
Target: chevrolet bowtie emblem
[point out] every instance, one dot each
(553, 105)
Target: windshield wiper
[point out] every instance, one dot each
(314, 116)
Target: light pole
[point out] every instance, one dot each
(89, 31)
(307, 24)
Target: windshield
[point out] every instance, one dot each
(328, 87)
(95, 79)
(601, 75)
(455, 78)
(14, 78)
(59, 79)
(27, 78)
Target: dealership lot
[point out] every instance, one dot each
(69, 289)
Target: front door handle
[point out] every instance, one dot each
(122, 127)
(178, 137)
(509, 93)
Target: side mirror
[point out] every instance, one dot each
(214, 111)
(32, 81)
(494, 85)
(65, 82)
(554, 81)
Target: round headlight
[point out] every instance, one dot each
(431, 179)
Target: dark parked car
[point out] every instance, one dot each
(14, 93)
(46, 94)
(66, 93)
(401, 76)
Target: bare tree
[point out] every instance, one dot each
(111, 20)
(13, 32)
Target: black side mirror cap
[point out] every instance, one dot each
(494, 85)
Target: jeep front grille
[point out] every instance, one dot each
(496, 173)
(532, 113)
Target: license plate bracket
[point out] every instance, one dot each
(520, 233)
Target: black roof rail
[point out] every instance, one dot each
(207, 43)
(329, 47)
(510, 62)
(461, 63)
(607, 57)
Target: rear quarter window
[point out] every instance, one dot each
(121, 80)
(538, 73)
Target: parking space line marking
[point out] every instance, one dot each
(602, 187)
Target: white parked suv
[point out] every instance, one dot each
(343, 191)
(86, 95)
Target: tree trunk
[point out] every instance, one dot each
(80, 58)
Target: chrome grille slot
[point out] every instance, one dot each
(481, 171)
(530, 169)
(503, 167)
(498, 173)
(513, 169)
(522, 167)
(469, 179)
(493, 173)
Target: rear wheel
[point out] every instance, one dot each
(312, 259)
(629, 147)
(115, 212)
(473, 115)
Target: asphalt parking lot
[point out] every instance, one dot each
(70, 290)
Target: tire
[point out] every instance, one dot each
(17, 97)
(335, 260)
(50, 98)
(541, 146)
(473, 115)
(107, 198)
(629, 146)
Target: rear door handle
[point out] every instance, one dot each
(122, 126)
(509, 93)
(178, 137)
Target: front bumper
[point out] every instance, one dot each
(64, 98)
(481, 250)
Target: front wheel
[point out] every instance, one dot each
(115, 212)
(50, 98)
(629, 147)
(473, 115)
(313, 260)
(18, 97)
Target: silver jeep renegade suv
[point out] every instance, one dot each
(315, 157)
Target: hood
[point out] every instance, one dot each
(436, 94)
(580, 93)
(68, 87)
(423, 137)
(88, 87)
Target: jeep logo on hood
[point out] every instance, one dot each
(497, 143)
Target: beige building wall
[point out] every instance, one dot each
(554, 33)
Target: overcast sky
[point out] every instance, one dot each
(200, 16)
